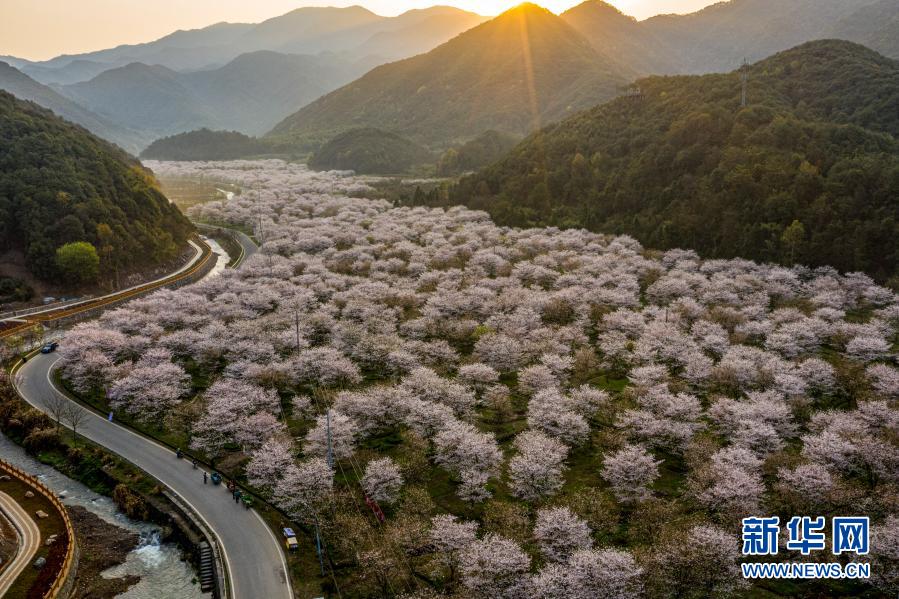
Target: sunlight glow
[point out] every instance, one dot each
(42, 30)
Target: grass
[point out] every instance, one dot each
(188, 192)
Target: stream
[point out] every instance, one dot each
(162, 573)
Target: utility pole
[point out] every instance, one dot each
(330, 449)
(744, 80)
(296, 314)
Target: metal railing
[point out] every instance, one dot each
(111, 300)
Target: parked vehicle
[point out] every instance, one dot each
(290, 539)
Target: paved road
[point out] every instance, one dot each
(29, 540)
(198, 253)
(255, 561)
(246, 243)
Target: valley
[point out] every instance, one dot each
(545, 302)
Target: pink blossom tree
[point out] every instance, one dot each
(382, 480)
(536, 471)
(560, 533)
(630, 471)
(491, 565)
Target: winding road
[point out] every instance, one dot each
(256, 568)
(255, 562)
(29, 540)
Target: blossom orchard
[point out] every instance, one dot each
(368, 347)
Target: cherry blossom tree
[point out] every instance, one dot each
(885, 555)
(731, 483)
(589, 574)
(702, 560)
(343, 431)
(472, 455)
(630, 471)
(305, 489)
(149, 391)
(491, 565)
(269, 462)
(549, 412)
(536, 471)
(560, 533)
(382, 480)
(884, 379)
(449, 537)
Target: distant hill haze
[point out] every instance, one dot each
(249, 94)
(355, 32)
(465, 76)
(720, 37)
(25, 88)
(514, 73)
(806, 172)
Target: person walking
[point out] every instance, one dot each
(204, 477)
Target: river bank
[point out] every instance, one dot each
(120, 557)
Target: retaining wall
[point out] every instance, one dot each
(62, 586)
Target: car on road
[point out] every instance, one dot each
(49, 348)
(290, 539)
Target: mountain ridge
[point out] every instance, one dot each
(683, 163)
(526, 52)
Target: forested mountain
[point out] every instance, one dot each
(875, 26)
(484, 149)
(720, 37)
(807, 172)
(59, 184)
(250, 94)
(512, 74)
(369, 151)
(204, 144)
(622, 37)
(24, 87)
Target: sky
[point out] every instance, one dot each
(42, 29)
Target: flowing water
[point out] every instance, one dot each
(222, 257)
(163, 574)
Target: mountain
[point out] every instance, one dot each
(720, 37)
(486, 148)
(521, 69)
(354, 32)
(416, 32)
(181, 50)
(617, 35)
(152, 98)
(73, 72)
(875, 26)
(250, 94)
(204, 144)
(60, 184)
(24, 87)
(369, 151)
(806, 172)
